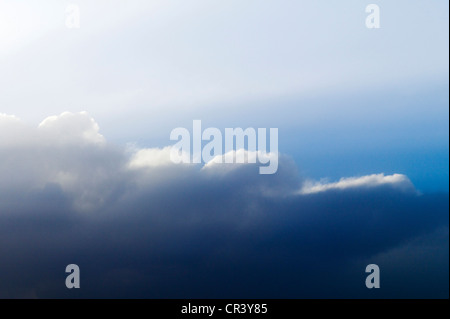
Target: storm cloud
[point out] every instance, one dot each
(139, 226)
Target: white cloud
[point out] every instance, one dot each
(150, 157)
(69, 151)
(72, 126)
(14, 132)
(218, 163)
(399, 181)
(66, 150)
(7, 117)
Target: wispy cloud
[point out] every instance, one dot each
(398, 181)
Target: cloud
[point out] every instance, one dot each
(398, 181)
(64, 150)
(141, 226)
(7, 117)
(242, 157)
(69, 126)
(150, 157)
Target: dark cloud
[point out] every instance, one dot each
(170, 231)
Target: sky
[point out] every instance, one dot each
(363, 125)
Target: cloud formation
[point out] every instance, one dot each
(398, 181)
(140, 226)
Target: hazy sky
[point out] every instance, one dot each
(336, 89)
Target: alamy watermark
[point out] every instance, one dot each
(72, 16)
(373, 19)
(73, 279)
(373, 279)
(72, 20)
(241, 146)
